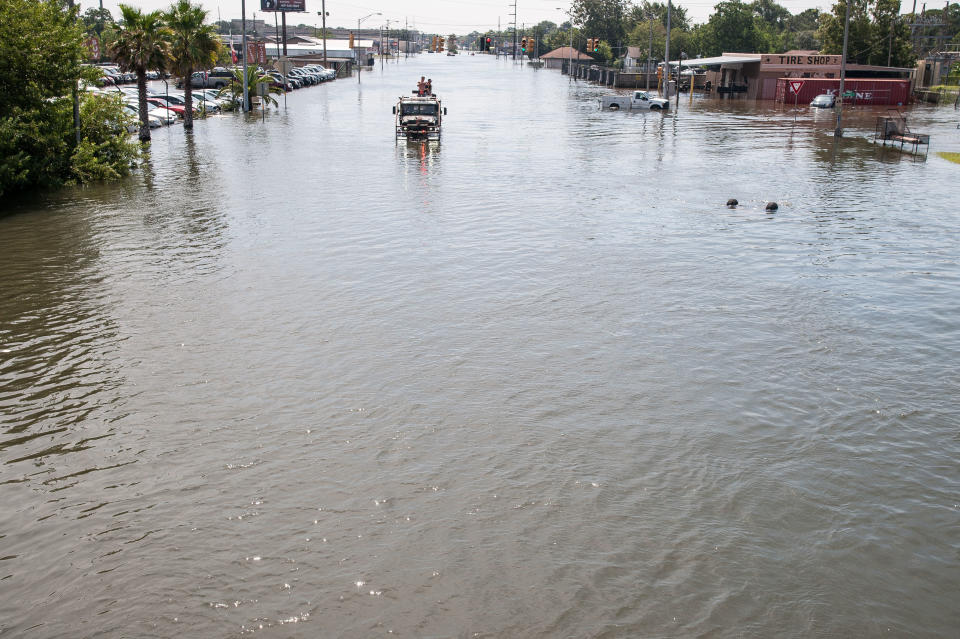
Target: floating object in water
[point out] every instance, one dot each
(772, 206)
(732, 202)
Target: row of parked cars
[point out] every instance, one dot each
(219, 77)
(167, 107)
(113, 76)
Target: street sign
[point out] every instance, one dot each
(796, 85)
(283, 65)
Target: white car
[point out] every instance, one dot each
(155, 120)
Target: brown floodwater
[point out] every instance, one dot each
(296, 379)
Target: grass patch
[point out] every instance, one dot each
(950, 156)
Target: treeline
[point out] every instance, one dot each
(41, 46)
(53, 133)
(878, 34)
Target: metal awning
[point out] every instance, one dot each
(722, 59)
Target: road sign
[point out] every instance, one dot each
(283, 65)
(796, 85)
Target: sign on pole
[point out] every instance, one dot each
(796, 85)
(93, 47)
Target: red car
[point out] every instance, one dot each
(179, 109)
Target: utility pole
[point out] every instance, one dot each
(243, 28)
(843, 71)
(514, 30)
(76, 97)
(323, 9)
(666, 54)
(650, 50)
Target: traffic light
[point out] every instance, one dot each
(351, 39)
(488, 43)
(433, 43)
(523, 45)
(596, 45)
(442, 40)
(530, 46)
(589, 44)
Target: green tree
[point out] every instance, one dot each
(106, 151)
(253, 79)
(96, 20)
(41, 48)
(141, 43)
(604, 19)
(731, 28)
(875, 34)
(193, 45)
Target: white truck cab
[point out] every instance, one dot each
(635, 100)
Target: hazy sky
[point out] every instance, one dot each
(432, 16)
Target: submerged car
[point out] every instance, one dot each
(824, 101)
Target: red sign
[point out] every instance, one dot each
(796, 85)
(256, 52)
(93, 48)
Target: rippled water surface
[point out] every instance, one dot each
(293, 379)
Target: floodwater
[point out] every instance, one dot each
(294, 379)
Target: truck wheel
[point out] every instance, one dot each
(614, 107)
(654, 107)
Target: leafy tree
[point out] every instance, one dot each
(253, 79)
(771, 13)
(141, 43)
(874, 35)
(602, 19)
(96, 20)
(193, 45)
(41, 46)
(105, 152)
(731, 27)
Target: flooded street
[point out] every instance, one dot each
(296, 379)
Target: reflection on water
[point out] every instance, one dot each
(299, 377)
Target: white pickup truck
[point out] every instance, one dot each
(635, 100)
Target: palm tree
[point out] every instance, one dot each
(139, 45)
(254, 78)
(193, 45)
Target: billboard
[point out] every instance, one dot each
(283, 5)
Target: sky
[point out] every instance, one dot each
(433, 16)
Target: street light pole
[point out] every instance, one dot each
(666, 55)
(243, 27)
(356, 45)
(570, 51)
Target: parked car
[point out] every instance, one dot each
(824, 101)
(279, 81)
(330, 74)
(155, 120)
(307, 77)
(158, 102)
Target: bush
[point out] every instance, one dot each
(106, 150)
